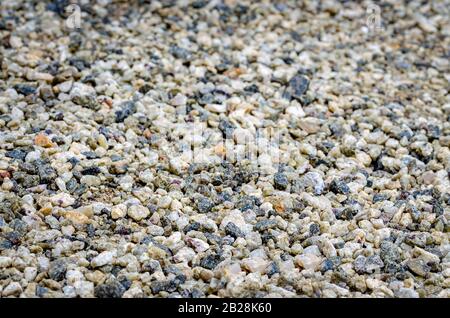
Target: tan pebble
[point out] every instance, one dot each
(219, 150)
(86, 210)
(278, 206)
(39, 76)
(102, 142)
(52, 284)
(108, 102)
(309, 124)
(363, 158)
(206, 275)
(76, 217)
(4, 174)
(428, 177)
(42, 140)
(216, 108)
(96, 277)
(360, 283)
(147, 133)
(255, 264)
(119, 211)
(234, 72)
(156, 253)
(308, 261)
(46, 209)
(373, 283)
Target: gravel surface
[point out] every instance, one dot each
(224, 149)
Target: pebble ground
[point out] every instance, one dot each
(224, 149)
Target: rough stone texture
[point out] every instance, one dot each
(225, 149)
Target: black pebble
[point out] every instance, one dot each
(128, 108)
(438, 209)
(272, 269)
(24, 89)
(204, 205)
(232, 230)
(338, 186)
(298, 85)
(314, 229)
(265, 225)
(210, 261)
(179, 52)
(73, 161)
(253, 88)
(90, 229)
(92, 171)
(226, 128)
(57, 270)
(280, 181)
(195, 226)
(41, 291)
(16, 154)
(378, 197)
(113, 289)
